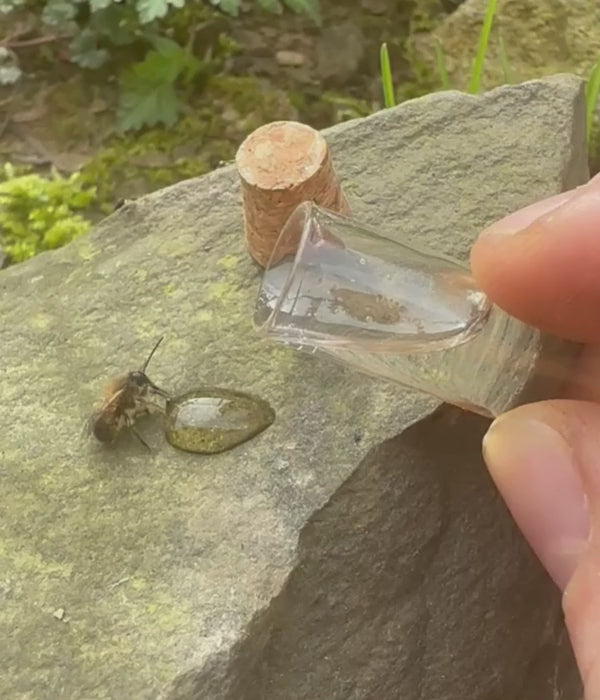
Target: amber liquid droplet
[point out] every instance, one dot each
(209, 420)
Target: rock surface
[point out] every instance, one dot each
(540, 37)
(324, 559)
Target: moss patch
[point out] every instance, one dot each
(38, 213)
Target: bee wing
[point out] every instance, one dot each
(86, 428)
(108, 404)
(112, 399)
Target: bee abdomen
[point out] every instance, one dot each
(103, 430)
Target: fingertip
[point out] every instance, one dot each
(524, 217)
(535, 470)
(546, 274)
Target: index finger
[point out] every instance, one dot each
(542, 264)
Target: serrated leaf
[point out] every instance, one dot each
(312, 8)
(84, 50)
(158, 106)
(271, 6)
(149, 10)
(148, 88)
(231, 7)
(174, 59)
(116, 23)
(7, 6)
(58, 13)
(9, 75)
(97, 5)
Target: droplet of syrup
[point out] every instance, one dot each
(209, 420)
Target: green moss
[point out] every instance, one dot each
(426, 15)
(38, 213)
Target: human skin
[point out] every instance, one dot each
(542, 265)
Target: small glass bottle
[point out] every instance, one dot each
(403, 314)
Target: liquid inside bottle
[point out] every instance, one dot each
(393, 311)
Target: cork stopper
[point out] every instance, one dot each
(281, 165)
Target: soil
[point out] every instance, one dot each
(272, 67)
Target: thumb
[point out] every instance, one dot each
(545, 460)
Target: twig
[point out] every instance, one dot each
(37, 41)
(191, 38)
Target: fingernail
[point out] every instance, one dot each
(523, 218)
(537, 475)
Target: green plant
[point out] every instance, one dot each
(148, 93)
(38, 213)
(387, 81)
(475, 78)
(97, 26)
(309, 7)
(484, 36)
(592, 92)
(99, 30)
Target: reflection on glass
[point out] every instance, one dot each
(393, 311)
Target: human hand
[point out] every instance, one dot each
(542, 265)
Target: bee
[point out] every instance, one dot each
(127, 398)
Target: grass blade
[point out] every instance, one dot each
(440, 59)
(592, 91)
(484, 37)
(387, 82)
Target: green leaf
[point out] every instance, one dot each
(158, 106)
(9, 75)
(311, 8)
(116, 23)
(58, 13)
(7, 6)
(592, 91)
(180, 59)
(84, 50)
(96, 5)
(271, 6)
(484, 37)
(148, 94)
(149, 10)
(231, 7)
(387, 82)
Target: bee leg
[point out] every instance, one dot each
(141, 439)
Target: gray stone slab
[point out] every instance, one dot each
(326, 558)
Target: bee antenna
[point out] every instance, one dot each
(152, 353)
